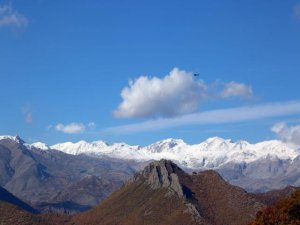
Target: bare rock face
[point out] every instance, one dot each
(162, 174)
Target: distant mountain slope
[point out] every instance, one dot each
(271, 197)
(7, 197)
(164, 194)
(263, 175)
(52, 177)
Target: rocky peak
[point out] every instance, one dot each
(163, 174)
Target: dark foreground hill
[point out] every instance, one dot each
(162, 194)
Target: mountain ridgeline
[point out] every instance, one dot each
(53, 181)
(256, 167)
(162, 193)
(99, 189)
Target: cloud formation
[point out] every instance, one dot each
(27, 112)
(92, 125)
(175, 94)
(234, 89)
(28, 118)
(288, 134)
(296, 11)
(219, 116)
(72, 128)
(9, 17)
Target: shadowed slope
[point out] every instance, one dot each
(16, 212)
(7, 197)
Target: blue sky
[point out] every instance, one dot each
(64, 64)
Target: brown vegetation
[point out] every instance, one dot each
(218, 201)
(285, 212)
(137, 203)
(13, 215)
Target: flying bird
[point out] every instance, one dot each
(196, 74)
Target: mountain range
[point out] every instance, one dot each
(256, 167)
(55, 181)
(163, 193)
(212, 153)
(74, 177)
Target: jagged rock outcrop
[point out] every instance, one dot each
(162, 174)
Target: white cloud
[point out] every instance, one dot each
(220, 116)
(235, 89)
(92, 125)
(175, 94)
(11, 18)
(27, 112)
(296, 11)
(288, 134)
(28, 117)
(71, 128)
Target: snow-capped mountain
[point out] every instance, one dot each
(212, 153)
(38, 145)
(13, 138)
(209, 154)
(256, 167)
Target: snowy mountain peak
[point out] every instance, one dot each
(241, 145)
(13, 138)
(166, 145)
(209, 154)
(81, 147)
(39, 145)
(171, 142)
(212, 153)
(214, 140)
(217, 141)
